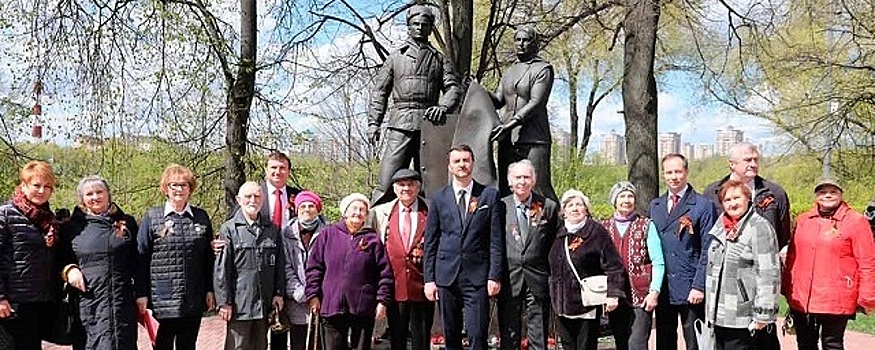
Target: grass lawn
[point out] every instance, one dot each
(863, 323)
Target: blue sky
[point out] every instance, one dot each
(681, 108)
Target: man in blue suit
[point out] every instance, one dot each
(683, 219)
(464, 251)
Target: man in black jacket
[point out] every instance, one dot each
(249, 278)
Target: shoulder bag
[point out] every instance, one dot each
(593, 289)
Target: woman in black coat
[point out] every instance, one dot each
(28, 251)
(585, 243)
(102, 265)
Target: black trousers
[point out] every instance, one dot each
(294, 339)
(578, 334)
(468, 303)
(345, 332)
(733, 339)
(512, 309)
(31, 321)
(246, 335)
(181, 332)
(828, 329)
(399, 148)
(411, 319)
(742, 339)
(667, 324)
(630, 326)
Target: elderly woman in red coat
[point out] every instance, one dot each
(830, 269)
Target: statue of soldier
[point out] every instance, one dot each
(414, 77)
(524, 132)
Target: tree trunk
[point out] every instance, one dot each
(572, 106)
(462, 36)
(587, 123)
(238, 101)
(639, 98)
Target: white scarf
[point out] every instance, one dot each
(572, 228)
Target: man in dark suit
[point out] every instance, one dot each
(464, 251)
(278, 206)
(530, 227)
(683, 219)
(278, 194)
(400, 224)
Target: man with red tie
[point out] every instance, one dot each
(277, 192)
(279, 199)
(400, 224)
(682, 218)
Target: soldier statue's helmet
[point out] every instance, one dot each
(420, 10)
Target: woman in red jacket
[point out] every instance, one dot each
(830, 269)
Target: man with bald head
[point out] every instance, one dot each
(769, 199)
(247, 279)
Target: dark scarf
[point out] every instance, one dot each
(40, 216)
(827, 213)
(308, 225)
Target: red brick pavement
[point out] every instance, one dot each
(212, 337)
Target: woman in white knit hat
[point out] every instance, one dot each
(582, 249)
(640, 250)
(349, 279)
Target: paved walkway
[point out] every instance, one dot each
(212, 337)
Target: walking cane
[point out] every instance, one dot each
(312, 331)
(309, 330)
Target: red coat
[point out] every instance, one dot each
(406, 263)
(830, 264)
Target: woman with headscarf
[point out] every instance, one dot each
(102, 265)
(297, 239)
(640, 250)
(29, 273)
(176, 262)
(742, 277)
(349, 279)
(830, 272)
(582, 249)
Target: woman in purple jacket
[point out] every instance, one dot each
(349, 279)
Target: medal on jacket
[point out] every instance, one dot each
(121, 229)
(515, 231)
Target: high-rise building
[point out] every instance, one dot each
(704, 151)
(689, 150)
(726, 138)
(669, 142)
(613, 148)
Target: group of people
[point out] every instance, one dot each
(719, 259)
(714, 262)
(114, 267)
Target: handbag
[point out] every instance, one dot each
(593, 289)
(65, 320)
(704, 335)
